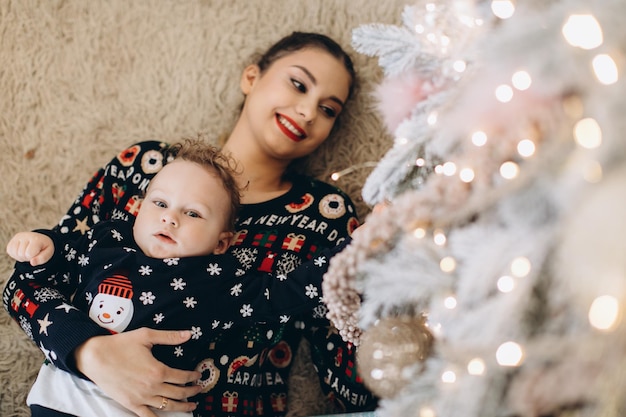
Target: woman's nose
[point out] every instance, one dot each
(307, 110)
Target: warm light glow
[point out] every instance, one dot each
(449, 377)
(432, 118)
(377, 373)
(509, 170)
(476, 366)
(419, 28)
(447, 264)
(439, 169)
(335, 176)
(427, 412)
(467, 175)
(506, 284)
(587, 133)
(459, 66)
(521, 80)
(583, 31)
(520, 267)
(509, 354)
(450, 302)
(419, 232)
(503, 9)
(479, 138)
(526, 148)
(449, 169)
(604, 312)
(439, 237)
(504, 93)
(592, 172)
(605, 69)
(420, 162)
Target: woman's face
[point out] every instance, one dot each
(291, 108)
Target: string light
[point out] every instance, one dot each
(479, 138)
(582, 31)
(506, 284)
(504, 93)
(509, 354)
(336, 175)
(459, 66)
(526, 148)
(604, 312)
(450, 302)
(439, 237)
(419, 232)
(476, 366)
(449, 169)
(427, 412)
(509, 170)
(605, 69)
(503, 9)
(521, 80)
(587, 133)
(520, 267)
(432, 118)
(447, 264)
(467, 175)
(449, 377)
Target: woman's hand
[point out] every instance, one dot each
(123, 366)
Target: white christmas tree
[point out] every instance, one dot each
(493, 282)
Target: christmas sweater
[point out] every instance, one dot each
(245, 372)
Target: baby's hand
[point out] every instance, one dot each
(32, 247)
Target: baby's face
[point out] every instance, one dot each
(184, 213)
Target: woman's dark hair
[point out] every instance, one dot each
(302, 40)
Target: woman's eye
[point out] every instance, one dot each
(330, 112)
(301, 87)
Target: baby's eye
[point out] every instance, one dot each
(301, 87)
(160, 204)
(330, 112)
(192, 213)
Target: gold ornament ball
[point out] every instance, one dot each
(391, 352)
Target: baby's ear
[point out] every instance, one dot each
(223, 243)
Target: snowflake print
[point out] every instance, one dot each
(117, 235)
(171, 261)
(245, 256)
(70, 253)
(178, 284)
(267, 293)
(240, 272)
(246, 310)
(88, 297)
(215, 324)
(129, 250)
(190, 302)
(145, 270)
(25, 325)
(284, 318)
(228, 325)
(311, 291)
(281, 277)
(178, 351)
(27, 275)
(45, 294)
(83, 260)
(147, 297)
(158, 318)
(196, 332)
(288, 262)
(236, 290)
(320, 261)
(213, 269)
(91, 245)
(320, 312)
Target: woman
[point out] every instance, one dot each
(293, 97)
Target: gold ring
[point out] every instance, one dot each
(163, 404)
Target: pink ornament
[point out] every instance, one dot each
(397, 97)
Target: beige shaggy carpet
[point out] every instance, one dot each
(80, 80)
